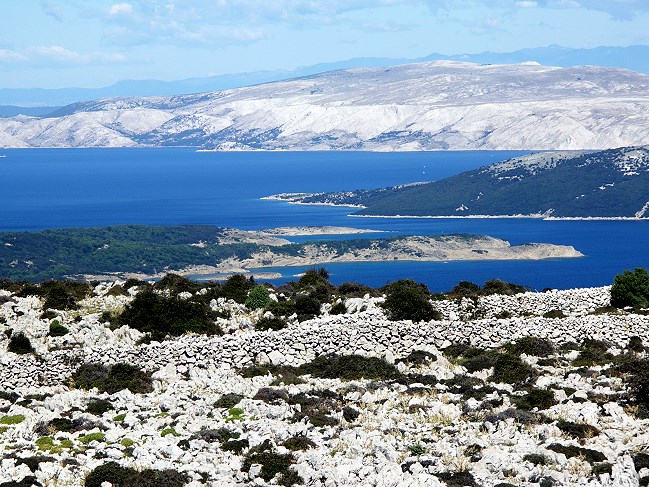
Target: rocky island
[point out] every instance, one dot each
(150, 252)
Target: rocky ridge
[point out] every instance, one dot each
(410, 433)
(442, 105)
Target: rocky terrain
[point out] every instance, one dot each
(441, 105)
(499, 389)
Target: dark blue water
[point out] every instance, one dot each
(49, 188)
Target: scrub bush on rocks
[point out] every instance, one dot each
(57, 329)
(631, 288)
(120, 476)
(237, 287)
(258, 298)
(112, 379)
(407, 300)
(349, 367)
(511, 369)
(160, 316)
(270, 324)
(272, 464)
(19, 344)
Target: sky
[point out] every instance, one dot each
(94, 43)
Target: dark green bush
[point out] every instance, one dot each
(631, 288)
(112, 379)
(270, 324)
(577, 430)
(297, 443)
(29, 481)
(511, 369)
(465, 289)
(259, 297)
(554, 313)
(350, 414)
(349, 367)
(640, 461)
(57, 329)
(536, 459)
(637, 381)
(270, 395)
(176, 284)
(272, 464)
(63, 295)
(228, 401)
(457, 479)
(591, 456)
(99, 406)
(306, 307)
(535, 398)
(282, 307)
(237, 287)
(407, 300)
(160, 316)
(635, 344)
(355, 290)
(338, 309)
(235, 446)
(602, 468)
(120, 476)
(419, 357)
(20, 344)
(496, 286)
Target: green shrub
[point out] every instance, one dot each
(419, 357)
(338, 309)
(99, 406)
(28, 481)
(19, 344)
(465, 289)
(635, 344)
(578, 430)
(258, 298)
(631, 289)
(407, 300)
(272, 464)
(536, 459)
(535, 398)
(270, 324)
(112, 379)
(175, 284)
(554, 313)
(237, 287)
(57, 329)
(89, 438)
(496, 286)
(120, 476)
(511, 369)
(306, 306)
(591, 456)
(228, 401)
(299, 443)
(13, 419)
(349, 367)
(160, 316)
(281, 307)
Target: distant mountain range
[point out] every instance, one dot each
(607, 184)
(441, 105)
(634, 58)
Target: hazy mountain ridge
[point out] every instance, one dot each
(607, 184)
(635, 58)
(427, 106)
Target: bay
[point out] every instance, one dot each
(56, 188)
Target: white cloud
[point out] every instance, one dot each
(120, 9)
(60, 55)
(527, 4)
(11, 56)
(53, 10)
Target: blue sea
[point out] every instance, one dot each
(53, 188)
